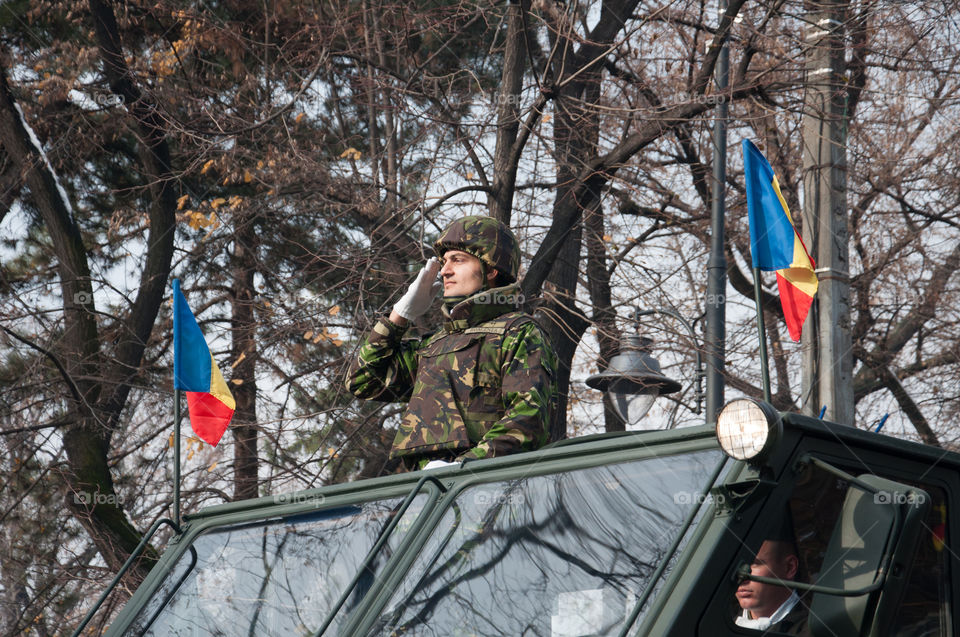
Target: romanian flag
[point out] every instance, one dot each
(774, 240)
(209, 401)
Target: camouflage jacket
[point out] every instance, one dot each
(481, 387)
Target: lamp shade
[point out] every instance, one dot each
(633, 379)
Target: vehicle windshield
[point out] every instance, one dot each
(280, 577)
(557, 555)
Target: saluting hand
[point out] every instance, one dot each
(418, 297)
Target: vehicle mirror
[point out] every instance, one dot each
(869, 550)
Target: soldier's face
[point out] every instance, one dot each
(462, 274)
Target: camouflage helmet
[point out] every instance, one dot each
(485, 238)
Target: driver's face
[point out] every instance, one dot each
(762, 600)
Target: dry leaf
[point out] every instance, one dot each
(197, 220)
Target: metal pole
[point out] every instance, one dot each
(176, 457)
(828, 361)
(717, 265)
(762, 331)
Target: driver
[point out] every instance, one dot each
(770, 607)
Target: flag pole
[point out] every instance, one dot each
(761, 328)
(176, 457)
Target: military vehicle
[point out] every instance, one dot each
(641, 533)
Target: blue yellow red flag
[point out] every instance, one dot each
(775, 243)
(209, 401)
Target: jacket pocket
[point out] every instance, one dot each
(436, 417)
(486, 401)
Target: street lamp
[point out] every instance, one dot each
(633, 379)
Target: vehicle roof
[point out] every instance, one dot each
(596, 449)
(579, 451)
(867, 439)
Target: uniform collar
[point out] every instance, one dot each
(481, 307)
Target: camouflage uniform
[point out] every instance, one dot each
(481, 387)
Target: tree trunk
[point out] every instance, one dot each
(505, 167)
(86, 440)
(244, 355)
(604, 316)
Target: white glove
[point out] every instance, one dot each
(438, 464)
(418, 297)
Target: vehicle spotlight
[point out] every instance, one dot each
(748, 429)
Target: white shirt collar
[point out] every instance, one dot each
(763, 623)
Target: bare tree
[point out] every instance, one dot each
(292, 164)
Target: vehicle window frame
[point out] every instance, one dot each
(206, 524)
(867, 461)
(365, 616)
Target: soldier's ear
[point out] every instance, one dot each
(492, 274)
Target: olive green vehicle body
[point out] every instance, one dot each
(570, 524)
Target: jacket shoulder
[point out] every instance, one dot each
(501, 324)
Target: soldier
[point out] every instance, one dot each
(483, 385)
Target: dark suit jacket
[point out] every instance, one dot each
(795, 623)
